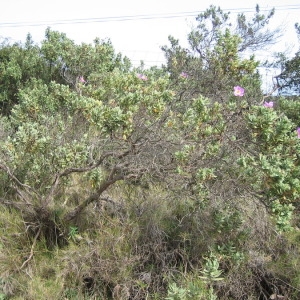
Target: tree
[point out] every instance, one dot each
(113, 125)
(288, 80)
(254, 33)
(223, 157)
(110, 131)
(214, 61)
(18, 64)
(57, 59)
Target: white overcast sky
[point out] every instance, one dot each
(138, 39)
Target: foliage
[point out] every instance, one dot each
(58, 59)
(176, 293)
(18, 64)
(191, 290)
(283, 214)
(277, 156)
(213, 61)
(119, 183)
(288, 80)
(211, 270)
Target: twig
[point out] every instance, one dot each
(289, 285)
(276, 87)
(15, 179)
(70, 171)
(32, 249)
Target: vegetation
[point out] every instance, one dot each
(178, 182)
(288, 80)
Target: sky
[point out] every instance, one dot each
(137, 29)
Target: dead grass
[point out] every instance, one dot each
(136, 241)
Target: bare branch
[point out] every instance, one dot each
(70, 171)
(275, 88)
(32, 249)
(26, 193)
(14, 178)
(92, 198)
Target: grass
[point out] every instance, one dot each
(140, 241)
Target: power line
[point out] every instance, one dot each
(139, 17)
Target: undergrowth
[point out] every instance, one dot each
(146, 243)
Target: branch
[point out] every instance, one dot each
(19, 183)
(275, 88)
(14, 204)
(14, 178)
(32, 249)
(113, 177)
(70, 171)
(92, 198)
(288, 284)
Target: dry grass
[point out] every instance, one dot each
(136, 241)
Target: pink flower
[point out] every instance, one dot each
(269, 104)
(81, 79)
(184, 75)
(142, 76)
(238, 91)
(298, 132)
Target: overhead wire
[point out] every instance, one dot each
(138, 17)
